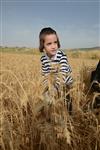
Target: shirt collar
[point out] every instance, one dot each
(52, 58)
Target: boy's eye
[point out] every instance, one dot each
(48, 43)
(51, 43)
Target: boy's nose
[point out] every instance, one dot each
(53, 46)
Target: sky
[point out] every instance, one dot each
(77, 22)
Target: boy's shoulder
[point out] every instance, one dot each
(61, 52)
(43, 57)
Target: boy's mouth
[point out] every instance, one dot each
(53, 50)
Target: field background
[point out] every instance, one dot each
(28, 57)
(23, 126)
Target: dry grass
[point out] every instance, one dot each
(29, 123)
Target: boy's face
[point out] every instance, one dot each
(50, 44)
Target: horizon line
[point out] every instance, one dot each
(38, 48)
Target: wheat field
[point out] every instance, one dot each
(29, 123)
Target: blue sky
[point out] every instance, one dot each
(77, 22)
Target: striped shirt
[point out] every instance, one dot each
(57, 64)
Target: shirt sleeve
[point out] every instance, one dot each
(65, 70)
(44, 72)
(64, 65)
(44, 68)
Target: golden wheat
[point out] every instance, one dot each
(29, 122)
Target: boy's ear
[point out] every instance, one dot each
(44, 51)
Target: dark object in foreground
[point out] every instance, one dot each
(96, 103)
(95, 81)
(95, 78)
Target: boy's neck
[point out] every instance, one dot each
(51, 57)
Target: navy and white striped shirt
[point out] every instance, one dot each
(57, 64)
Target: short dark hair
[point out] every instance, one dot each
(43, 33)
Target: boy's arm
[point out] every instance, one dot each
(44, 69)
(65, 72)
(44, 74)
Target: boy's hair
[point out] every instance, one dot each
(43, 33)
